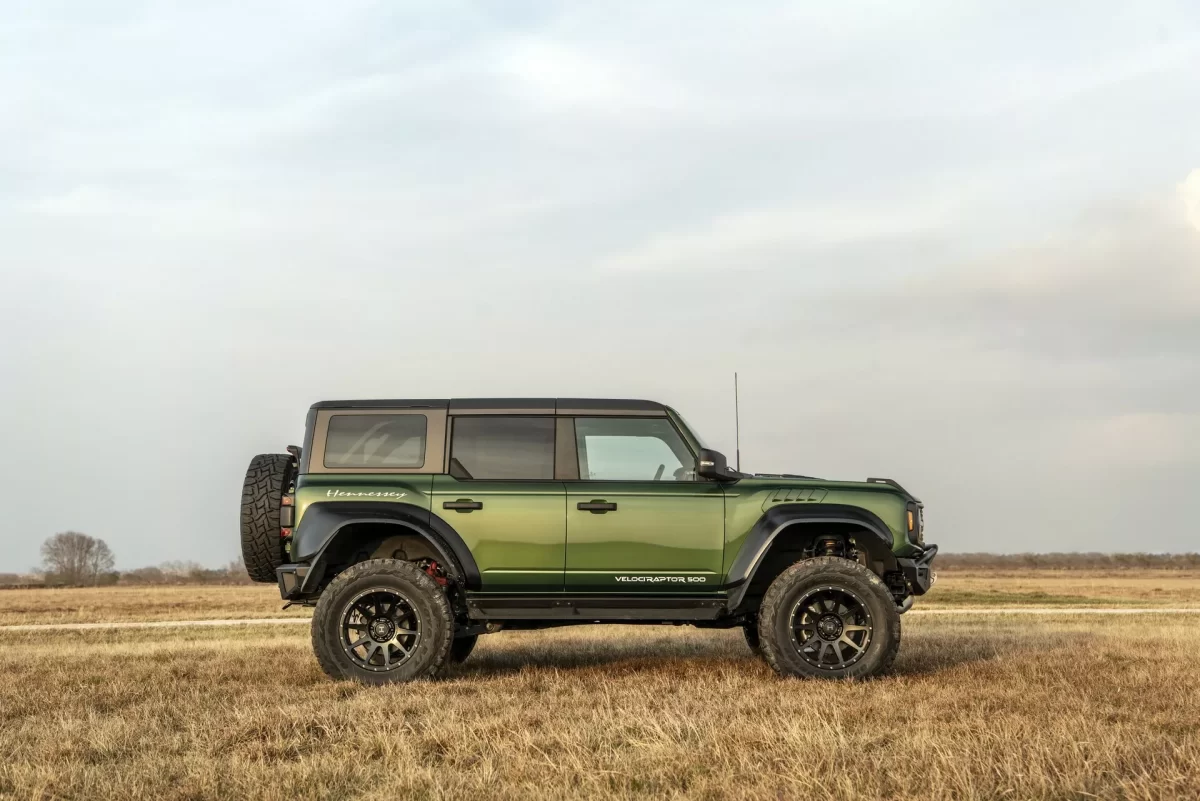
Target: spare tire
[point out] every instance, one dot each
(267, 478)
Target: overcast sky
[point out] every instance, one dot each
(953, 243)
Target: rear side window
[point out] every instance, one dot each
(498, 447)
(376, 440)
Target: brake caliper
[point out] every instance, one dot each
(435, 572)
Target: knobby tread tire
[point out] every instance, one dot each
(785, 591)
(434, 612)
(267, 478)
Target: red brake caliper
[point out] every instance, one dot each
(431, 570)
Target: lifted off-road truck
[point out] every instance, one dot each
(414, 526)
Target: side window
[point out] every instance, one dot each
(632, 449)
(376, 440)
(498, 447)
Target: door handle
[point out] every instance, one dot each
(597, 507)
(463, 505)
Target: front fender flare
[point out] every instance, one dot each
(323, 522)
(778, 519)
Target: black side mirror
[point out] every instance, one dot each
(712, 464)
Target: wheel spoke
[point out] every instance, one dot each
(851, 643)
(827, 620)
(367, 616)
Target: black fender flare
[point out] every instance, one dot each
(323, 522)
(778, 519)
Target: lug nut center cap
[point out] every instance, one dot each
(382, 629)
(829, 627)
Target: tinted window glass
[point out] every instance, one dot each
(376, 440)
(631, 449)
(503, 447)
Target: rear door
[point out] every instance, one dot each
(503, 500)
(638, 517)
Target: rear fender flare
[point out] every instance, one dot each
(781, 521)
(324, 523)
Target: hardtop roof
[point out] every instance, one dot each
(494, 405)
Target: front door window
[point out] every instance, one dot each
(631, 449)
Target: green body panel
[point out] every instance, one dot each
(665, 536)
(518, 538)
(311, 488)
(749, 498)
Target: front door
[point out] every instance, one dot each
(502, 499)
(638, 518)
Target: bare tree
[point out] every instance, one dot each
(75, 558)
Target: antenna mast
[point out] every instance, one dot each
(737, 426)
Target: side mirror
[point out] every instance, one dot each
(712, 464)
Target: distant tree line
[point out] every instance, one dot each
(72, 559)
(1067, 561)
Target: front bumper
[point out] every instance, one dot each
(291, 580)
(919, 572)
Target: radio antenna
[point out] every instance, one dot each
(737, 427)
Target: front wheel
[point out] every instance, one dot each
(382, 621)
(828, 618)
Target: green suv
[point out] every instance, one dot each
(414, 526)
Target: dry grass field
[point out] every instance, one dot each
(1052, 707)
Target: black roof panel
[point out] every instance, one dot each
(466, 405)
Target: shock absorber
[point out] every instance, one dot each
(831, 546)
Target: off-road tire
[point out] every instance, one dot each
(750, 630)
(267, 479)
(428, 599)
(462, 648)
(775, 618)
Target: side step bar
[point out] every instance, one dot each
(587, 608)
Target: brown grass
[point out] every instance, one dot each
(1140, 588)
(976, 708)
(1003, 708)
(114, 604)
(958, 587)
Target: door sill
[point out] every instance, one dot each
(593, 607)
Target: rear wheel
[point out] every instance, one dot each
(267, 478)
(382, 621)
(829, 618)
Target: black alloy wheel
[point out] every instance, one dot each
(380, 629)
(831, 628)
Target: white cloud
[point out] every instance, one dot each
(741, 240)
(1133, 441)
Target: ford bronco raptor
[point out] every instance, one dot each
(415, 526)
